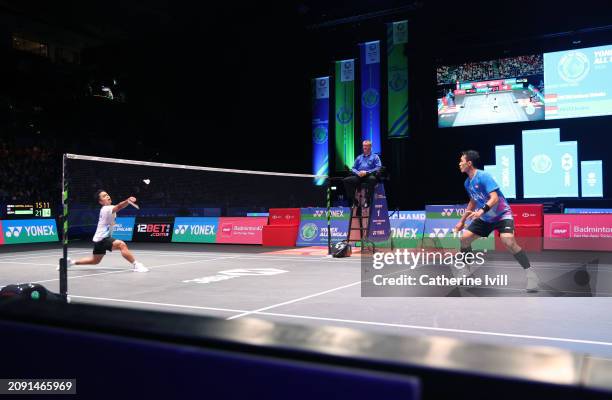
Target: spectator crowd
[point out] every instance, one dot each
(512, 67)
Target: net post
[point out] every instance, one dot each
(63, 262)
(328, 205)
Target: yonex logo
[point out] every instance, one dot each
(14, 231)
(447, 212)
(404, 233)
(181, 229)
(439, 233)
(334, 213)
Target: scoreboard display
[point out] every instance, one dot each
(38, 209)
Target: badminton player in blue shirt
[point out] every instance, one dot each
(489, 210)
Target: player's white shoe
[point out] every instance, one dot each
(533, 281)
(139, 267)
(71, 262)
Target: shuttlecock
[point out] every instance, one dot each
(147, 181)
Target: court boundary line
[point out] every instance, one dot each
(371, 323)
(131, 270)
(293, 301)
(154, 303)
(59, 253)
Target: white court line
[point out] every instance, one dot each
(307, 297)
(41, 256)
(251, 256)
(196, 254)
(21, 263)
(437, 329)
(319, 258)
(294, 300)
(154, 304)
(360, 322)
(130, 270)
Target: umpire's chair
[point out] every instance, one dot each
(360, 213)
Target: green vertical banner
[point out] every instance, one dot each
(345, 111)
(397, 79)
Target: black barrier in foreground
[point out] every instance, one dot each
(115, 351)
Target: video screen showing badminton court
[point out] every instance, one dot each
(490, 92)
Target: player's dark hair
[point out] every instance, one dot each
(471, 155)
(98, 195)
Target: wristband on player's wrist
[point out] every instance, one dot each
(485, 208)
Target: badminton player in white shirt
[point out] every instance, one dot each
(102, 240)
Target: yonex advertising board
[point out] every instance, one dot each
(29, 231)
(313, 225)
(195, 230)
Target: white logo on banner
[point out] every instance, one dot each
(322, 88)
(237, 273)
(439, 233)
(347, 70)
(567, 162)
(14, 231)
(591, 179)
(400, 32)
(541, 163)
(372, 52)
(505, 171)
(180, 229)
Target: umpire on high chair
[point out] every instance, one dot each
(364, 170)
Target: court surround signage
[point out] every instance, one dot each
(29, 231)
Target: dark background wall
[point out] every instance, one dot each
(228, 85)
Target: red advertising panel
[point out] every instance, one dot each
(241, 230)
(528, 214)
(578, 232)
(284, 216)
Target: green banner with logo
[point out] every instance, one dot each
(195, 230)
(345, 111)
(397, 79)
(28, 231)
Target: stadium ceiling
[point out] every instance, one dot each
(115, 20)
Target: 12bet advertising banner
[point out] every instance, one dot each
(153, 229)
(28, 231)
(313, 225)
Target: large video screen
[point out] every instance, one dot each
(563, 84)
(578, 82)
(491, 92)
